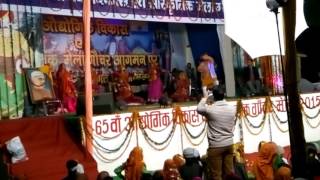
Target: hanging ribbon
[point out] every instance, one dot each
(178, 116)
(240, 111)
(134, 122)
(267, 105)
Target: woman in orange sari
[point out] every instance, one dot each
(170, 170)
(123, 89)
(182, 88)
(134, 167)
(66, 90)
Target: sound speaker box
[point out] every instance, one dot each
(103, 103)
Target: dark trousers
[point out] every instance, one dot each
(220, 161)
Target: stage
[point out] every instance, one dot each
(164, 132)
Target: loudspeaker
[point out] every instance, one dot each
(103, 103)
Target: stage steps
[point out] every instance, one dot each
(49, 142)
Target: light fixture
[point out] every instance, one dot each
(273, 5)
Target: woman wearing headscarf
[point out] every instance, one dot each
(122, 87)
(182, 88)
(268, 165)
(170, 170)
(263, 165)
(134, 167)
(179, 160)
(66, 90)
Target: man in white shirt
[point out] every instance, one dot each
(221, 122)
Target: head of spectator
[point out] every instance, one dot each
(170, 170)
(134, 164)
(103, 175)
(260, 144)
(179, 160)
(239, 152)
(191, 155)
(75, 169)
(263, 165)
(218, 93)
(157, 175)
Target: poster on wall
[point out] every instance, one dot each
(114, 43)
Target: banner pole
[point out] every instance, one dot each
(87, 69)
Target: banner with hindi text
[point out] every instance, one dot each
(113, 43)
(181, 11)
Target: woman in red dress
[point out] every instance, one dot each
(123, 89)
(155, 84)
(182, 88)
(66, 91)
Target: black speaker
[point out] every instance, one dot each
(103, 103)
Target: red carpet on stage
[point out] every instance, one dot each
(48, 145)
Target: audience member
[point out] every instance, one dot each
(268, 165)
(252, 78)
(206, 170)
(313, 162)
(179, 160)
(104, 175)
(75, 171)
(239, 161)
(134, 167)
(263, 165)
(283, 173)
(221, 121)
(193, 167)
(170, 170)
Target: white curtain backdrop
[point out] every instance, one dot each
(227, 60)
(181, 51)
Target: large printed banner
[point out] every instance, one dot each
(113, 43)
(183, 11)
(162, 136)
(20, 47)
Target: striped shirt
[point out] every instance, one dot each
(221, 122)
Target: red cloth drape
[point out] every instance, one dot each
(48, 145)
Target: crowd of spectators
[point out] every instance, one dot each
(268, 164)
